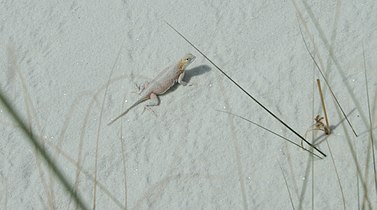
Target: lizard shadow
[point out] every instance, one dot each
(190, 73)
(199, 70)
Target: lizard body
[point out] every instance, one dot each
(161, 83)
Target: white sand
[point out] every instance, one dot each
(56, 59)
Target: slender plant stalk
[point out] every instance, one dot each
(327, 126)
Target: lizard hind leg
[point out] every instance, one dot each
(153, 101)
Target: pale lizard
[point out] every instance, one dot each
(161, 83)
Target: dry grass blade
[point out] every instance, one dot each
(357, 165)
(335, 60)
(35, 142)
(370, 122)
(99, 126)
(327, 83)
(286, 185)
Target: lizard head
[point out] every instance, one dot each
(185, 61)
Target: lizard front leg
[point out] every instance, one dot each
(180, 79)
(142, 87)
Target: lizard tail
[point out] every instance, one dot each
(125, 112)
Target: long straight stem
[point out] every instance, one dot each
(248, 94)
